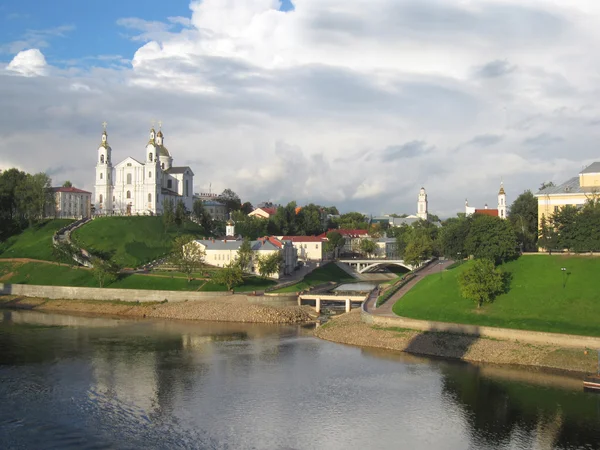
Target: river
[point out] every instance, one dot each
(74, 382)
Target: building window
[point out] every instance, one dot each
(101, 159)
(100, 198)
(113, 198)
(187, 192)
(150, 157)
(128, 194)
(162, 166)
(169, 184)
(149, 174)
(128, 164)
(149, 198)
(100, 176)
(128, 178)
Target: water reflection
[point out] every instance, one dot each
(76, 382)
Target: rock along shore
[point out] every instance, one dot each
(349, 329)
(225, 309)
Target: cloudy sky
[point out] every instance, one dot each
(356, 103)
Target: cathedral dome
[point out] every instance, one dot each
(162, 151)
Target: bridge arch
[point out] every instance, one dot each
(367, 268)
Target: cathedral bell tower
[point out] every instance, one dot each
(422, 211)
(104, 168)
(502, 202)
(152, 177)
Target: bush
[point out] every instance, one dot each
(481, 282)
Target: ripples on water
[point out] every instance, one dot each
(93, 383)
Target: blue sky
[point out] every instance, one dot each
(75, 29)
(354, 103)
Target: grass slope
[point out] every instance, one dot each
(55, 275)
(329, 272)
(132, 241)
(536, 300)
(34, 242)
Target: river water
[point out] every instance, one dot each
(75, 383)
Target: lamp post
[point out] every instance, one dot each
(564, 272)
(458, 256)
(441, 263)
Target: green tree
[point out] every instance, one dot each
(67, 184)
(34, 194)
(250, 227)
(481, 282)
(168, 213)
(453, 237)
(230, 199)
(247, 208)
(11, 218)
(180, 214)
(309, 220)
(285, 220)
(491, 238)
(403, 235)
(564, 223)
(186, 255)
(105, 271)
(523, 215)
(418, 249)
(230, 275)
(244, 255)
(269, 264)
(202, 216)
(352, 221)
(63, 252)
(335, 241)
(548, 238)
(586, 233)
(368, 247)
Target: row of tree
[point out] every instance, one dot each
(572, 228)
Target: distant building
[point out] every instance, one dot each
(499, 212)
(386, 247)
(308, 248)
(70, 202)
(575, 191)
(422, 205)
(217, 210)
(263, 213)
(352, 239)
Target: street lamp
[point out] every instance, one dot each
(441, 263)
(564, 272)
(458, 256)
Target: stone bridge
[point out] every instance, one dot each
(366, 265)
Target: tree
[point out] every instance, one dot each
(481, 282)
(180, 213)
(269, 264)
(247, 208)
(230, 199)
(168, 213)
(250, 227)
(11, 220)
(335, 241)
(285, 220)
(63, 252)
(491, 238)
(548, 238)
(186, 255)
(403, 235)
(105, 271)
(418, 249)
(34, 194)
(545, 185)
(352, 221)
(67, 184)
(368, 247)
(309, 220)
(202, 216)
(564, 223)
(453, 236)
(244, 255)
(523, 215)
(230, 275)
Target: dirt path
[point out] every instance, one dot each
(386, 308)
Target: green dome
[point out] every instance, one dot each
(162, 151)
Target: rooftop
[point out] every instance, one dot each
(592, 168)
(571, 186)
(70, 190)
(487, 212)
(303, 238)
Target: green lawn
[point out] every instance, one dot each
(34, 242)
(55, 275)
(329, 272)
(536, 300)
(132, 241)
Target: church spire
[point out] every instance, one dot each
(104, 142)
(152, 134)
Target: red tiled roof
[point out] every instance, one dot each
(269, 211)
(71, 190)
(303, 238)
(487, 212)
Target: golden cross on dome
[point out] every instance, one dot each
(153, 122)
(159, 124)
(104, 125)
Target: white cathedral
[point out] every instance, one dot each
(132, 187)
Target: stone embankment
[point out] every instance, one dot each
(349, 329)
(226, 309)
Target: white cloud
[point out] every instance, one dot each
(29, 63)
(357, 103)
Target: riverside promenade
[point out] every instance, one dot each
(386, 308)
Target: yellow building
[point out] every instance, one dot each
(575, 191)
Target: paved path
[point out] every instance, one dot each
(386, 308)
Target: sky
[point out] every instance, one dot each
(356, 103)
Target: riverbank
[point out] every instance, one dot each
(223, 309)
(349, 329)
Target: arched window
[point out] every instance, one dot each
(162, 166)
(100, 176)
(101, 159)
(100, 198)
(149, 198)
(128, 194)
(150, 157)
(149, 174)
(128, 178)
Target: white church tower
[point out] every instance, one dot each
(230, 228)
(104, 168)
(152, 177)
(502, 202)
(422, 205)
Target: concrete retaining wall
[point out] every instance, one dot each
(127, 295)
(533, 337)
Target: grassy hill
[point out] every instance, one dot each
(131, 241)
(34, 242)
(536, 301)
(54, 275)
(324, 274)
